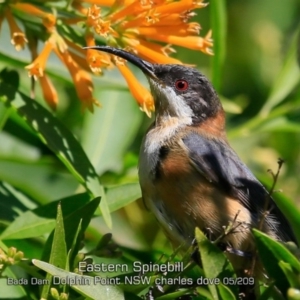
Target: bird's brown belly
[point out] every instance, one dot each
(182, 199)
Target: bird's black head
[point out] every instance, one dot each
(184, 91)
(178, 91)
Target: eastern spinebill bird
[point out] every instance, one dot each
(189, 175)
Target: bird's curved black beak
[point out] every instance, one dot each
(146, 67)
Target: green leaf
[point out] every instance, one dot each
(121, 195)
(82, 215)
(219, 25)
(9, 83)
(226, 292)
(58, 256)
(205, 293)
(230, 106)
(72, 252)
(41, 220)
(90, 289)
(12, 202)
(280, 124)
(174, 295)
(4, 114)
(31, 247)
(271, 253)
(254, 124)
(11, 60)
(215, 264)
(41, 176)
(270, 293)
(12, 291)
(292, 277)
(291, 212)
(59, 139)
(115, 127)
(28, 225)
(287, 79)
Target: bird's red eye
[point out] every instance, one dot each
(181, 85)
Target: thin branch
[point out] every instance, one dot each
(266, 209)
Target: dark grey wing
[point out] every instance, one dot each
(221, 166)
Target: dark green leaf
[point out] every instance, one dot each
(271, 292)
(9, 83)
(291, 275)
(12, 201)
(291, 212)
(271, 253)
(58, 256)
(41, 220)
(82, 215)
(174, 295)
(59, 139)
(4, 114)
(71, 253)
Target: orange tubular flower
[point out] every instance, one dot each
(157, 55)
(82, 80)
(181, 30)
(138, 25)
(140, 93)
(79, 7)
(101, 2)
(18, 38)
(180, 6)
(81, 61)
(93, 15)
(145, 27)
(49, 20)
(96, 59)
(37, 67)
(134, 8)
(49, 92)
(191, 42)
(29, 9)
